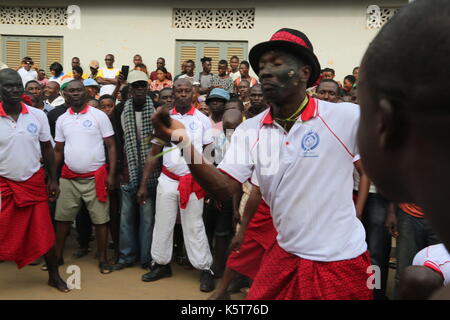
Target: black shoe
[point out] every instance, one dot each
(158, 271)
(120, 266)
(207, 283)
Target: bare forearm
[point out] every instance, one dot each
(59, 156)
(363, 191)
(237, 200)
(112, 156)
(220, 186)
(48, 157)
(251, 206)
(116, 91)
(107, 81)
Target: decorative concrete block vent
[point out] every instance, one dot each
(378, 16)
(213, 18)
(33, 16)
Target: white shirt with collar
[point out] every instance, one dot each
(57, 102)
(83, 135)
(305, 176)
(20, 149)
(199, 130)
(27, 75)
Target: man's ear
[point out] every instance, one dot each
(304, 73)
(391, 125)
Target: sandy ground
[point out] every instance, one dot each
(31, 283)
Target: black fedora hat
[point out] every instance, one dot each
(292, 41)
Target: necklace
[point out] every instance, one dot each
(288, 122)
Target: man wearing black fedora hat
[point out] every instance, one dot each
(300, 154)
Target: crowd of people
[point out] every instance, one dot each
(177, 168)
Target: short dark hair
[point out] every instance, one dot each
(329, 81)
(245, 81)
(76, 58)
(166, 89)
(163, 69)
(350, 78)
(57, 67)
(78, 69)
(245, 63)
(329, 70)
(106, 96)
(140, 65)
(204, 59)
(190, 61)
(31, 81)
(223, 62)
(234, 57)
(238, 101)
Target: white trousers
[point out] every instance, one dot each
(194, 234)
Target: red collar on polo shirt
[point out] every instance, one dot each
(307, 114)
(190, 112)
(85, 110)
(4, 114)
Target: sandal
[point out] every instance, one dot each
(105, 268)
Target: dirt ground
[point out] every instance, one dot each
(30, 283)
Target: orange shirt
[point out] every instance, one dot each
(412, 209)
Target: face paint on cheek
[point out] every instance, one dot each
(286, 78)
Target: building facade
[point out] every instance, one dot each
(179, 30)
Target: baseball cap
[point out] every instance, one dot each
(94, 64)
(90, 83)
(136, 75)
(218, 93)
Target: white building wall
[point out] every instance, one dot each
(337, 29)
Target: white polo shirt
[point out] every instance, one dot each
(435, 257)
(199, 131)
(27, 75)
(20, 149)
(83, 134)
(306, 177)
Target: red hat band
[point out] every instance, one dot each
(287, 36)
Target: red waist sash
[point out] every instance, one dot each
(100, 177)
(186, 186)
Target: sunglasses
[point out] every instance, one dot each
(139, 85)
